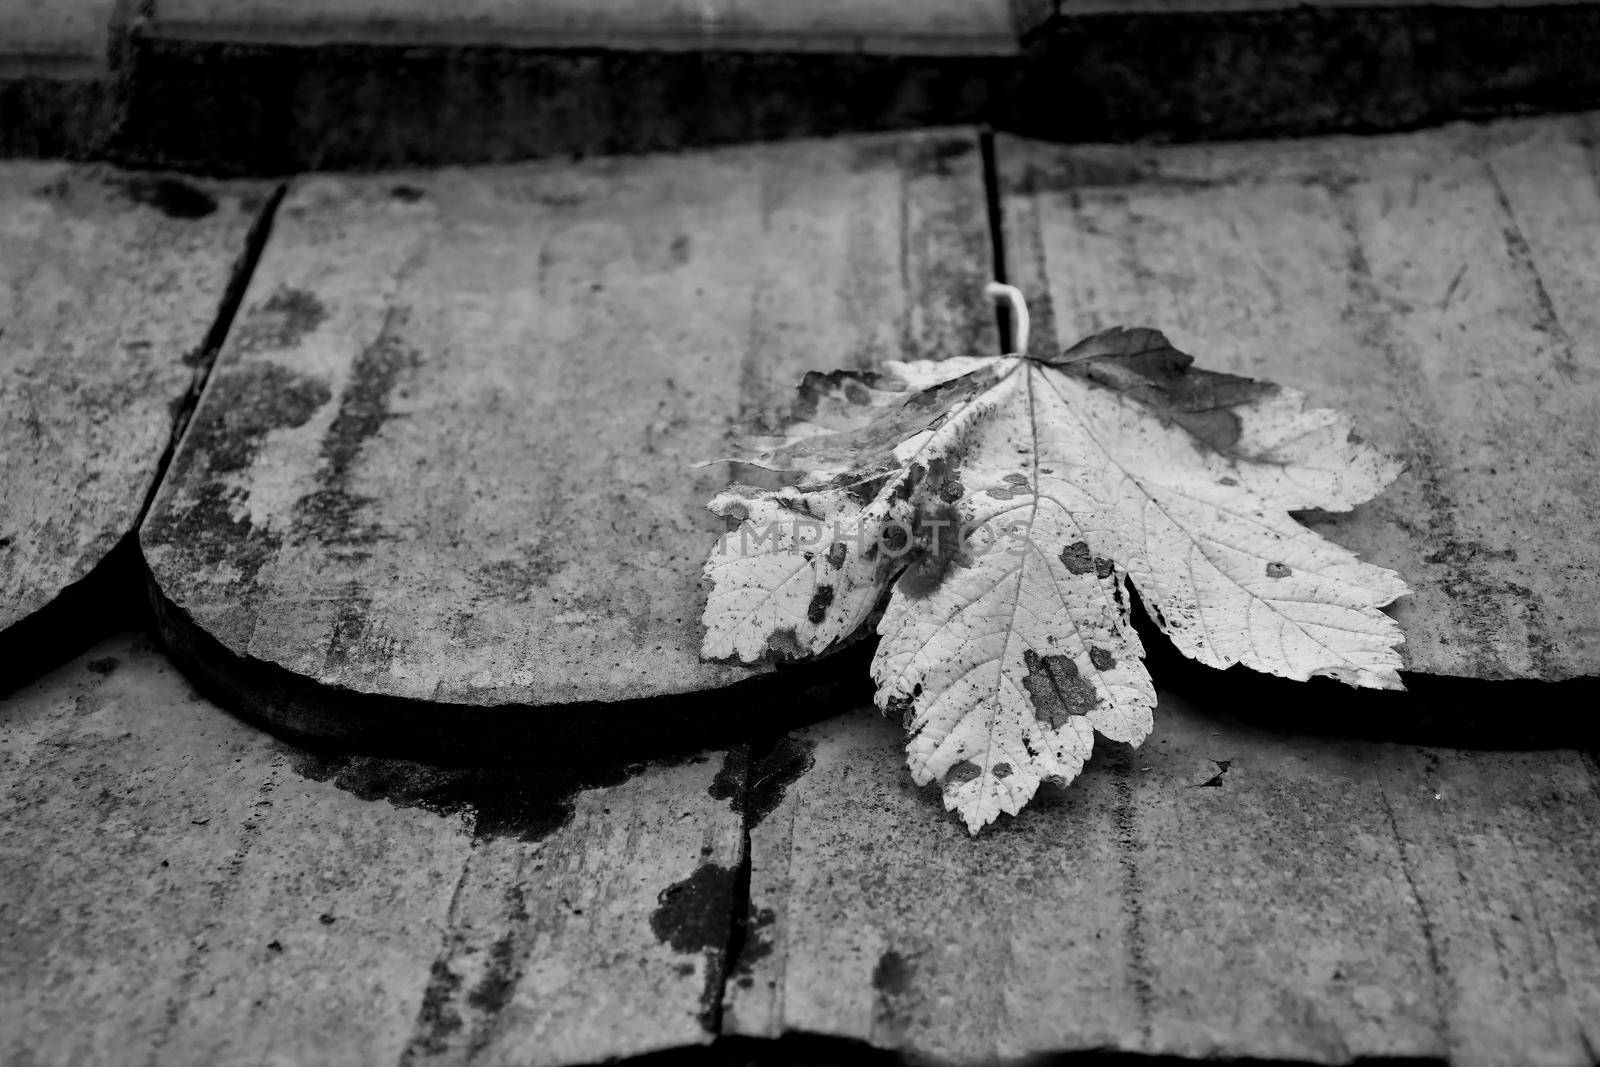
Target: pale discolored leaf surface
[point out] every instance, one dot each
(1006, 504)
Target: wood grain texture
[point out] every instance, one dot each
(109, 282)
(447, 451)
(178, 887)
(1441, 286)
(1222, 892)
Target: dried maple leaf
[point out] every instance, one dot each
(1004, 503)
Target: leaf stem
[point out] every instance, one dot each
(998, 291)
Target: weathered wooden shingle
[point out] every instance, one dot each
(109, 282)
(1442, 286)
(179, 887)
(447, 453)
(1222, 891)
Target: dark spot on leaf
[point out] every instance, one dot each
(895, 537)
(902, 708)
(1002, 771)
(410, 194)
(1103, 567)
(1020, 479)
(837, 552)
(1142, 365)
(173, 198)
(857, 393)
(1278, 570)
(800, 505)
(1102, 660)
(862, 491)
(679, 249)
(1057, 690)
(965, 771)
(104, 665)
(783, 646)
(999, 494)
(1076, 558)
(936, 549)
(325, 919)
(274, 946)
(950, 492)
(1228, 481)
(818, 608)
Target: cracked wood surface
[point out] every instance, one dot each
(1442, 287)
(179, 887)
(109, 282)
(446, 451)
(1222, 891)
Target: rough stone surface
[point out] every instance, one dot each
(1220, 892)
(965, 27)
(178, 887)
(447, 450)
(109, 282)
(1441, 286)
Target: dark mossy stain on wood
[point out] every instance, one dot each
(526, 805)
(693, 917)
(207, 524)
(773, 773)
(437, 1017)
(329, 513)
(504, 969)
(730, 779)
(280, 321)
(893, 975)
(757, 945)
(173, 198)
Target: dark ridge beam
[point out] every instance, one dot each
(1313, 70)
